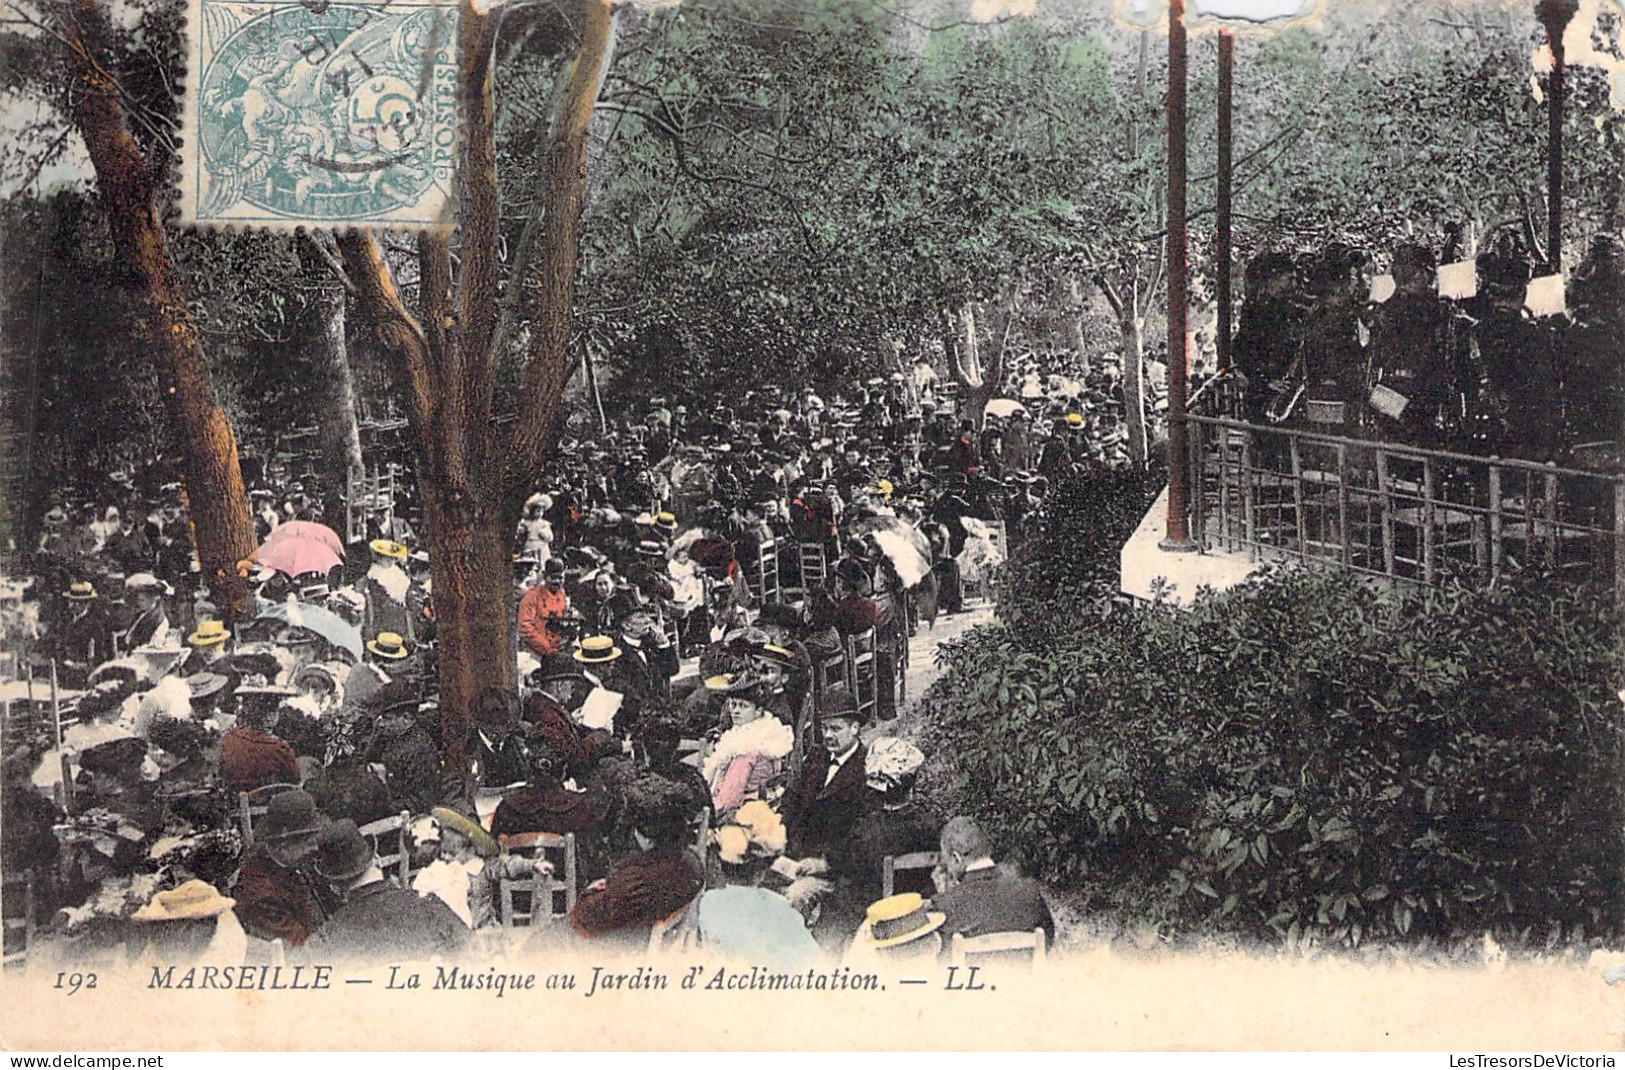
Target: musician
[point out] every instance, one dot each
(1266, 344)
(1415, 393)
(1519, 359)
(1333, 349)
(1593, 389)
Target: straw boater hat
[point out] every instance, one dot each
(898, 919)
(209, 633)
(82, 591)
(191, 901)
(388, 645)
(1074, 419)
(388, 548)
(467, 827)
(666, 521)
(597, 648)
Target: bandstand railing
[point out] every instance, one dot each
(1397, 511)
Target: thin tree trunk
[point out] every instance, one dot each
(338, 436)
(1133, 339)
(216, 499)
(1074, 322)
(973, 386)
(591, 376)
(475, 478)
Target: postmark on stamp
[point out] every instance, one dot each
(320, 113)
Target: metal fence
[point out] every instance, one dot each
(1398, 511)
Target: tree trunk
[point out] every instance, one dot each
(1074, 322)
(1133, 339)
(475, 632)
(217, 502)
(974, 389)
(475, 477)
(338, 437)
(591, 376)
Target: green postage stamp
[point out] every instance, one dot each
(320, 113)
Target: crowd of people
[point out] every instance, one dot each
(693, 593)
(1488, 371)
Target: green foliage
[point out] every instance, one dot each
(1306, 756)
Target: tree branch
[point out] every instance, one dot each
(550, 287)
(478, 282)
(379, 304)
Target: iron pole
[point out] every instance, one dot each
(1227, 68)
(1555, 15)
(1177, 537)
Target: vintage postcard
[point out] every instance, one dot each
(813, 525)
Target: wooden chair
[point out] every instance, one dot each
(691, 748)
(813, 564)
(701, 825)
(523, 901)
(392, 845)
(768, 586)
(1002, 947)
(560, 851)
(891, 865)
(19, 925)
(251, 806)
(862, 671)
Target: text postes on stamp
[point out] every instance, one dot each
(320, 113)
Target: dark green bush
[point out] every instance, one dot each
(1308, 754)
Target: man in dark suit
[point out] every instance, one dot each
(983, 897)
(829, 795)
(379, 921)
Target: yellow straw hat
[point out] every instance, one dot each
(482, 840)
(388, 645)
(388, 548)
(194, 899)
(209, 633)
(597, 648)
(897, 919)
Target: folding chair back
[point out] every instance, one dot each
(251, 806)
(389, 840)
(677, 932)
(558, 850)
(1002, 948)
(702, 834)
(909, 867)
(17, 897)
(861, 670)
(523, 901)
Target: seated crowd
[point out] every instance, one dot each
(686, 760)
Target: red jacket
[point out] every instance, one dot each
(250, 758)
(275, 903)
(538, 607)
(550, 808)
(648, 888)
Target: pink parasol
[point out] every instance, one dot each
(306, 530)
(296, 555)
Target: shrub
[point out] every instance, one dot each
(1306, 755)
